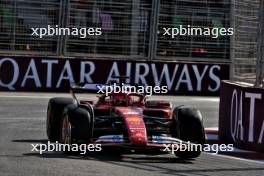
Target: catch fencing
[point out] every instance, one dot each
(247, 45)
(131, 28)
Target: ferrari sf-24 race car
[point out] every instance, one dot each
(125, 120)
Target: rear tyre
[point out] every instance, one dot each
(54, 116)
(189, 127)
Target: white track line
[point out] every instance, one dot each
(212, 128)
(25, 96)
(215, 137)
(237, 158)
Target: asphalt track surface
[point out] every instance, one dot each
(22, 123)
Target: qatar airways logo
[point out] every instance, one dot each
(243, 125)
(55, 74)
(190, 76)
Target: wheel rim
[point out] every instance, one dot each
(66, 131)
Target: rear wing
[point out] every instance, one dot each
(84, 87)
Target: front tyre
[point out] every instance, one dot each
(54, 117)
(189, 127)
(76, 125)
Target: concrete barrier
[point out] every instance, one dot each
(241, 115)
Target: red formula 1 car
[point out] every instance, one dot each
(126, 120)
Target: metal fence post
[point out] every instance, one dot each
(232, 40)
(260, 45)
(134, 32)
(60, 24)
(154, 29)
(67, 12)
(13, 41)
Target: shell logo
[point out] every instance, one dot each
(134, 119)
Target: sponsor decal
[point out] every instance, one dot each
(117, 138)
(157, 139)
(134, 119)
(53, 74)
(241, 116)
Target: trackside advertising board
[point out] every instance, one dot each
(241, 116)
(56, 74)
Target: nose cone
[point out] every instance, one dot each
(135, 125)
(138, 138)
